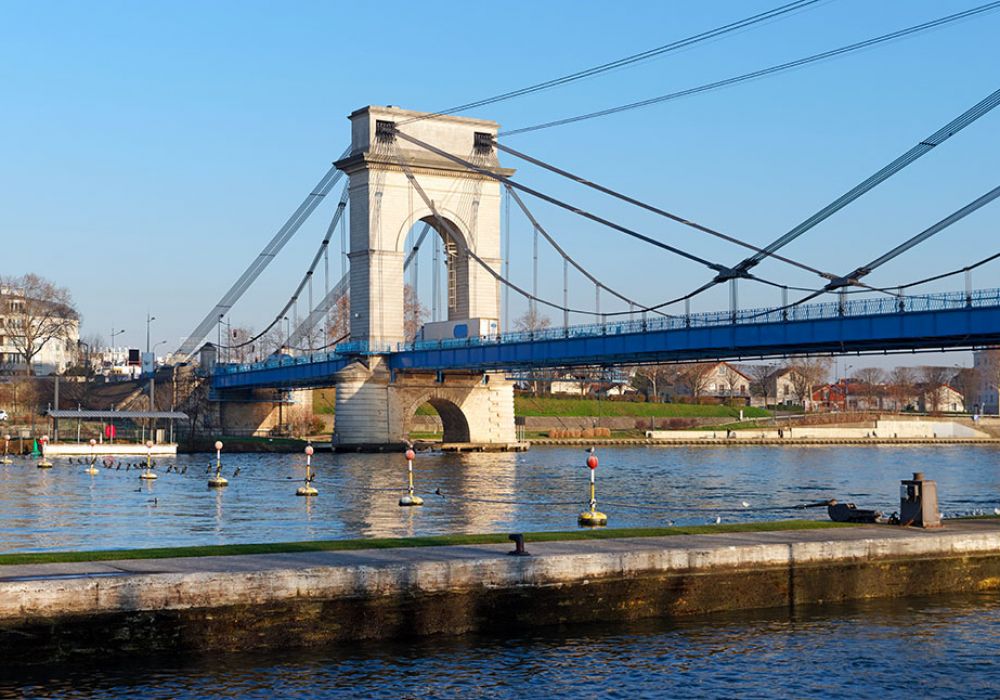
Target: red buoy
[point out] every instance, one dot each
(592, 461)
(410, 455)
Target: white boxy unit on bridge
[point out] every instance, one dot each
(466, 328)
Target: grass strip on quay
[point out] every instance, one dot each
(402, 542)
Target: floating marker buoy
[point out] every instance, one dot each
(410, 499)
(308, 489)
(592, 517)
(92, 469)
(148, 474)
(218, 481)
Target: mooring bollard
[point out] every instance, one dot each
(308, 489)
(518, 540)
(148, 474)
(409, 499)
(592, 517)
(218, 481)
(92, 469)
(6, 451)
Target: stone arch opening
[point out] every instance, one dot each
(454, 424)
(436, 271)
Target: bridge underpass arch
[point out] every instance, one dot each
(454, 422)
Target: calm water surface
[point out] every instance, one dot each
(543, 489)
(945, 647)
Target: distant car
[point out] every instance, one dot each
(3, 415)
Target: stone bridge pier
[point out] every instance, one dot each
(395, 187)
(375, 408)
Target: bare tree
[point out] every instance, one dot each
(339, 319)
(934, 380)
(871, 379)
(901, 381)
(241, 349)
(650, 379)
(695, 376)
(35, 312)
(532, 321)
(807, 373)
(759, 376)
(966, 383)
(272, 341)
(414, 314)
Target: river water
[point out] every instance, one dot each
(544, 489)
(943, 647)
(939, 647)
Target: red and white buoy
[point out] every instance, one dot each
(409, 499)
(592, 517)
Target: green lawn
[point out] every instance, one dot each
(547, 406)
(391, 543)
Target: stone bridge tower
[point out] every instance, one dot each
(374, 406)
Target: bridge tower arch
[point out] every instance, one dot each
(375, 406)
(464, 209)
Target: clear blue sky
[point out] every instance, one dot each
(150, 150)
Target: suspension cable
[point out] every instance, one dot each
(507, 181)
(503, 179)
(853, 277)
(341, 206)
(566, 256)
(629, 60)
(447, 226)
(270, 251)
(920, 149)
(781, 67)
(924, 146)
(656, 210)
(915, 240)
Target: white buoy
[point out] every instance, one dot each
(148, 474)
(92, 469)
(218, 481)
(308, 489)
(410, 499)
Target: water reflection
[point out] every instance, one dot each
(544, 489)
(927, 648)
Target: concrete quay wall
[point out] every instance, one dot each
(231, 603)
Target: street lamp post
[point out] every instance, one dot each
(149, 320)
(288, 336)
(114, 334)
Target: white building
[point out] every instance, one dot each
(58, 348)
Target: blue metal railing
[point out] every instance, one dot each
(868, 306)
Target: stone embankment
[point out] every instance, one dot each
(53, 611)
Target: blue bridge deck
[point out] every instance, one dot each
(938, 321)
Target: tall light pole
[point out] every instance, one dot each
(288, 335)
(114, 333)
(149, 320)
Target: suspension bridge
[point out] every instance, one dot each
(411, 175)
